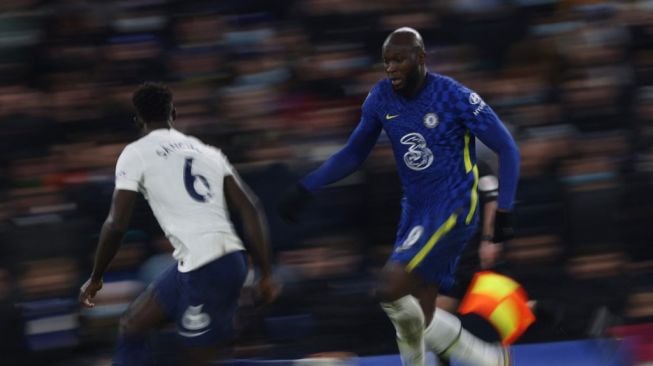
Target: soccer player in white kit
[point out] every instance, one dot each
(189, 186)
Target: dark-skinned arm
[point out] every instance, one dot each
(111, 235)
(488, 251)
(248, 207)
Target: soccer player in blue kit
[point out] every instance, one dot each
(190, 187)
(432, 122)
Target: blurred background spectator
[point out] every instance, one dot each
(278, 86)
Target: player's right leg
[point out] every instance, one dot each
(207, 301)
(394, 293)
(144, 314)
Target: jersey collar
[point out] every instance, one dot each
(164, 131)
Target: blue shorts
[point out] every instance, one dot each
(430, 245)
(203, 302)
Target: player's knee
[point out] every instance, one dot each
(447, 303)
(394, 284)
(388, 292)
(129, 327)
(407, 317)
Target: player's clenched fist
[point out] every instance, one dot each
(293, 203)
(87, 292)
(268, 290)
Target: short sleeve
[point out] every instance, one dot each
(221, 160)
(129, 170)
(228, 169)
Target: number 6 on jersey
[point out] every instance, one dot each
(189, 182)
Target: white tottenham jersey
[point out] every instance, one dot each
(182, 179)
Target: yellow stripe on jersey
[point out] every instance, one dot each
(474, 197)
(466, 154)
(439, 233)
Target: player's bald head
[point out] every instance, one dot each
(405, 37)
(404, 60)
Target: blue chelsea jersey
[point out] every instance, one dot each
(432, 136)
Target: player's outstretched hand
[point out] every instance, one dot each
(268, 290)
(87, 292)
(293, 203)
(503, 229)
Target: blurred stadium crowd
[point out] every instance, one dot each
(278, 85)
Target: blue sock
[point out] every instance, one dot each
(131, 351)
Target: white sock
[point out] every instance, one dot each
(407, 317)
(446, 337)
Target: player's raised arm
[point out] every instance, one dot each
(111, 234)
(338, 166)
(348, 159)
(248, 207)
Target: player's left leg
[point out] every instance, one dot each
(446, 337)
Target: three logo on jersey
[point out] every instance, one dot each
(419, 156)
(195, 320)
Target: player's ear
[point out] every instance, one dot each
(421, 57)
(139, 122)
(174, 113)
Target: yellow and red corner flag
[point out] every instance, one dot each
(501, 301)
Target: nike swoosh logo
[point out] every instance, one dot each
(190, 335)
(388, 116)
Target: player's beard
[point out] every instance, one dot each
(411, 83)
